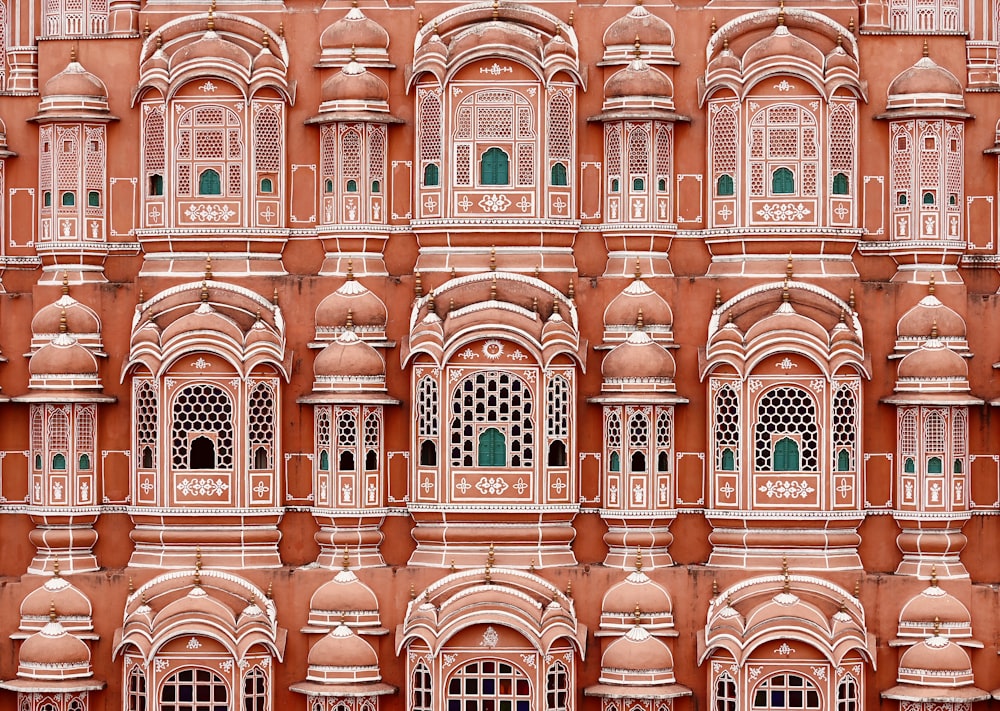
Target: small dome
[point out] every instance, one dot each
(928, 314)
(344, 594)
(354, 30)
(638, 79)
(637, 591)
(74, 80)
(638, 358)
(934, 605)
(933, 360)
(342, 648)
(72, 606)
(637, 651)
(838, 58)
(351, 301)
(62, 356)
(638, 298)
(354, 83)
(266, 59)
(53, 653)
(782, 43)
(725, 60)
(639, 24)
(79, 318)
(347, 357)
(926, 85)
(213, 49)
(937, 661)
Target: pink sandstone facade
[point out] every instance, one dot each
(498, 356)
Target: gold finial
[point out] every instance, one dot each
(637, 48)
(269, 593)
(418, 285)
(555, 306)
(349, 324)
(197, 558)
(210, 24)
(131, 586)
(531, 566)
(413, 592)
(843, 605)
(146, 30)
(72, 54)
(857, 589)
(637, 614)
(637, 274)
(142, 598)
(788, 267)
(784, 291)
(715, 588)
(934, 331)
(52, 611)
(197, 576)
(843, 316)
(639, 323)
(65, 284)
(142, 296)
(354, 53)
(534, 304)
(451, 304)
(496, 9)
(208, 268)
(926, 50)
(850, 25)
(257, 320)
(452, 568)
(204, 293)
(493, 258)
(62, 320)
(730, 318)
(572, 18)
(638, 559)
(350, 270)
(937, 625)
(453, 273)
(934, 582)
(420, 21)
(347, 559)
(850, 301)
(274, 296)
(55, 568)
(571, 290)
(718, 298)
(725, 44)
(784, 571)
(569, 588)
(490, 556)
(538, 271)
(714, 26)
(281, 29)
(264, 41)
(781, 13)
(430, 303)
(493, 288)
(930, 285)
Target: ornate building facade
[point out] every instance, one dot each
(499, 356)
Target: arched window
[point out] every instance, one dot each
(156, 184)
(255, 690)
(492, 448)
(786, 691)
(324, 461)
(428, 454)
(908, 466)
(928, 198)
(638, 462)
(209, 182)
(201, 409)
(786, 412)
(327, 186)
(782, 182)
(725, 693)
(557, 454)
(352, 186)
(727, 428)
(260, 458)
(194, 690)
(662, 462)
(934, 465)
(840, 184)
(432, 175)
(93, 199)
(84, 462)
(843, 461)
(136, 689)
(202, 453)
(421, 689)
(489, 684)
(503, 402)
(616, 462)
(59, 462)
(724, 186)
(559, 174)
(494, 168)
(266, 185)
(47, 198)
(346, 463)
(728, 460)
(786, 455)
(371, 461)
(638, 184)
(68, 199)
(847, 694)
(557, 688)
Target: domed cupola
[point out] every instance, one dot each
(935, 611)
(638, 364)
(63, 365)
(349, 364)
(930, 313)
(637, 590)
(636, 302)
(932, 374)
(80, 320)
(937, 670)
(354, 94)
(925, 90)
(354, 36)
(73, 608)
(639, 91)
(74, 94)
(653, 33)
(368, 312)
(345, 600)
(52, 653)
(342, 664)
